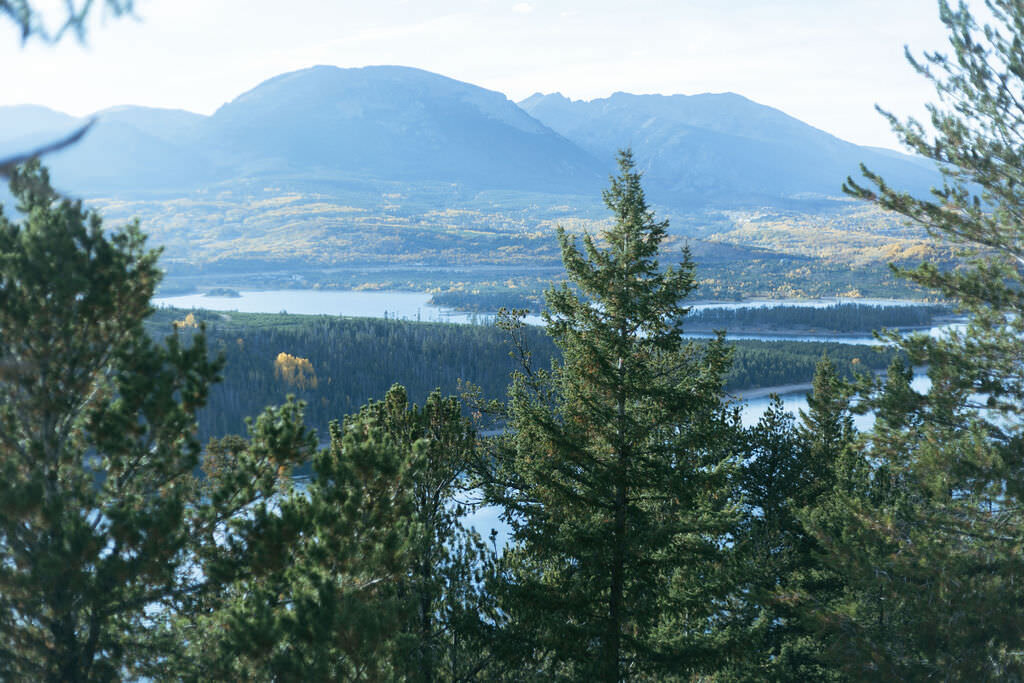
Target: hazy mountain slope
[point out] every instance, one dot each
(128, 149)
(29, 120)
(171, 125)
(115, 157)
(719, 148)
(394, 123)
(323, 123)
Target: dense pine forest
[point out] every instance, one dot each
(149, 532)
(843, 318)
(354, 360)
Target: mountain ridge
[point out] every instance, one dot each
(402, 124)
(761, 152)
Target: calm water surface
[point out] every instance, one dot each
(415, 306)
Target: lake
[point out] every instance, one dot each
(796, 400)
(415, 306)
(357, 304)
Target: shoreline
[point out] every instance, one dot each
(780, 389)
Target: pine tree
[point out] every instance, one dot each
(321, 599)
(792, 473)
(365, 574)
(450, 613)
(615, 479)
(826, 427)
(100, 514)
(938, 542)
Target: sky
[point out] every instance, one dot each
(826, 62)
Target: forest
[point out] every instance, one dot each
(355, 360)
(147, 532)
(842, 317)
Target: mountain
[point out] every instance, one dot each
(324, 129)
(25, 120)
(128, 149)
(395, 123)
(720, 148)
(384, 123)
(170, 125)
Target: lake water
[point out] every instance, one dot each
(795, 401)
(415, 306)
(358, 304)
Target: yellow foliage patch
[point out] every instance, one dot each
(295, 371)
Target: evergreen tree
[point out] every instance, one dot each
(100, 515)
(826, 428)
(938, 540)
(616, 476)
(792, 472)
(366, 573)
(450, 613)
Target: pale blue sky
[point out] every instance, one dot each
(826, 62)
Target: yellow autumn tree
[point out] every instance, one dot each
(295, 371)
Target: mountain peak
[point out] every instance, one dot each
(401, 124)
(394, 122)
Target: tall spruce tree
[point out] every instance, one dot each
(938, 540)
(616, 476)
(101, 518)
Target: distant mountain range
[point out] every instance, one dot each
(720, 148)
(405, 125)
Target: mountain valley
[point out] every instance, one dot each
(397, 177)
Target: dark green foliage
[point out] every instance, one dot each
(933, 549)
(791, 471)
(827, 426)
(322, 599)
(358, 359)
(488, 301)
(774, 363)
(355, 360)
(363, 573)
(100, 515)
(844, 318)
(614, 475)
(450, 614)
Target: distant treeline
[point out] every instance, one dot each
(351, 360)
(758, 364)
(488, 301)
(846, 317)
